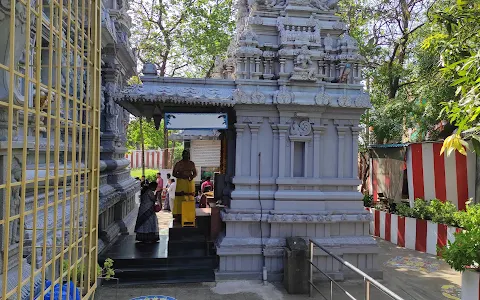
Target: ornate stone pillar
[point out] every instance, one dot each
(317, 149)
(19, 47)
(238, 163)
(282, 133)
(355, 130)
(341, 130)
(254, 128)
(275, 151)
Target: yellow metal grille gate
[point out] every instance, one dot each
(49, 145)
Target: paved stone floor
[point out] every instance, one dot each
(410, 274)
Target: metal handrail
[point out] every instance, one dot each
(366, 279)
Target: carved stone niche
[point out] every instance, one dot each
(300, 138)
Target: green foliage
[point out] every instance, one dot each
(182, 37)
(405, 82)
(150, 174)
(367, 200)
(464, 252)
(455, 36)
(153, 138)
(470, 218)
(77, 274)
(404, 210)
(420, 210)
(442, 213)
(107, 272)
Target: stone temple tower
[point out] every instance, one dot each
(297, 94)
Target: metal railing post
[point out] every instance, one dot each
(366, 278)
(367, 289)
(331, 290)
(310, 276)
(311, 269)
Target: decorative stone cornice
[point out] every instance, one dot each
(296, 218)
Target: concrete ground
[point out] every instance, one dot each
(410, 274)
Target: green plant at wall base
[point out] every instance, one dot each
(107, 272)
(470, 218)
(420, 210)
(367, 200)
(404, 210)
(464, 252)
(443, 212)
(76, 275)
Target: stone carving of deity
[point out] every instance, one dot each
(328, 43)
(320, 4)
(102, 98)
(294, 130)
(304, 69)
(218, 68)
(15, 201)
(112, 110)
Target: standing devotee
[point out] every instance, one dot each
(171, 193)
(159, 189)
(185, 172)
(166, 205)
(146, 227)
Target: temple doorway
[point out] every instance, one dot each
(184, 253)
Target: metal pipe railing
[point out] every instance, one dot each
(366, 279)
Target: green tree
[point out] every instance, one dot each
(153, 138)
(182, 37)
(404, 81)
(455, 35)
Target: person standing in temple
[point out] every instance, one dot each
(205, 184)
(146, 226)
(166, 205)
(185, 171)
(159, 189)
(171, 194)
(144, 181)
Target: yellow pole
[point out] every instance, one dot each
(143, 146)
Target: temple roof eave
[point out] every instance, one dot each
(163, 92)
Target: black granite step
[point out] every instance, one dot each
(191, 277)
(184, 256)
(187, 261)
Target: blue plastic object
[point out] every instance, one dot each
(56, 292)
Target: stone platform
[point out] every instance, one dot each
(410, 274)
(183, 255)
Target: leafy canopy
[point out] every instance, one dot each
(455, 36)
(182, 37)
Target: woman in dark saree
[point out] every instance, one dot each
(146, 226)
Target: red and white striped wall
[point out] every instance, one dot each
(410, 233)
(153, 159)
(434, 176)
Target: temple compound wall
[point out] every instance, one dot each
(298, 100)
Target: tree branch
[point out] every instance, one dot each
(406, 83)
(177, 68)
